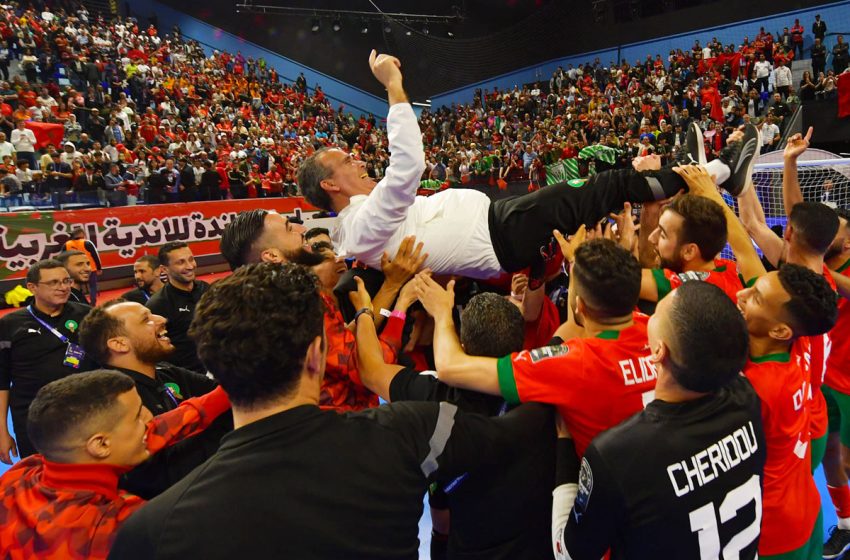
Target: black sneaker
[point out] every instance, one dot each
(692, 152)
(837, 544)
(740, 157)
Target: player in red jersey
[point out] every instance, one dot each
(783, 310)
(90, 429)
(837, 390)
(598, 377)
(687, 236)
(811, 229)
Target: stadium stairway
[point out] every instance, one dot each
(797, 69)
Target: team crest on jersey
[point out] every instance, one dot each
(548, 352)
(576, 183)
(585, 487)
(693, 275)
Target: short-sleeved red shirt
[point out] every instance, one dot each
(595, 383)
(724, 276)
(790, 502)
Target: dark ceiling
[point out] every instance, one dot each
(493, 38)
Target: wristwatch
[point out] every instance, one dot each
(368, 311)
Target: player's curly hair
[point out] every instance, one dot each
(813, 307)
(253, 328)
(491, 326)
(608, 276)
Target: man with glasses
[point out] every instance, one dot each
(38, 344)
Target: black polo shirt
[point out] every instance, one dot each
(137, 295)
(77, 296)
(178, 306)
(31, 357)
(502, 513)
(173, 463)
(184, 384)
(307, 483)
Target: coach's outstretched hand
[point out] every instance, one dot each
(387, 69)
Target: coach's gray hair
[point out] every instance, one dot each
(311, 173)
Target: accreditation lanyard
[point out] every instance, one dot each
(74, 353)
(47, 326)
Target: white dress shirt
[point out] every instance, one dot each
(451, 224)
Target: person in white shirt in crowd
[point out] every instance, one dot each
(770, 135)
(6, 147)
(23, 140)
(782, 79)
(762, 68)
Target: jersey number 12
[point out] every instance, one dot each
(704, 522)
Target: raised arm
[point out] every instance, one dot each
(791, 193)
(700, 183)
(407, 262)
(375, 374)
(367, 231)
(755, 223)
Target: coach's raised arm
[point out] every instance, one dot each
(371, 216)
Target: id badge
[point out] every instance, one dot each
(74, 356)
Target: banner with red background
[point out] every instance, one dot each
(123, 234)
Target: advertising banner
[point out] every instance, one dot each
(123, 234)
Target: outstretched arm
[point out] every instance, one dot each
(407, 262)
(365, 233)
(752, 216)
(375, 374)
(700, 183)
(791, 193)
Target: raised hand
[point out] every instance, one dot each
(699, 182)
(386, 68)
(798, 144)
(360, 298)
(436, 300)
(407, 261)
(568, 247)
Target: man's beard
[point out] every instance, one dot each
(303, 257)
(675, 264)
(153, 353)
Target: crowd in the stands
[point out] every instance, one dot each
(151, 117)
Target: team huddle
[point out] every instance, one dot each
(560, 380)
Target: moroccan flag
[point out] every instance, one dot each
(46, 133)
(844, 95)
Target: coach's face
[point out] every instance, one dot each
(347, 175)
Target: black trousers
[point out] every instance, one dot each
(522, 225)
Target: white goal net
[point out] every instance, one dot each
(821, 180)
